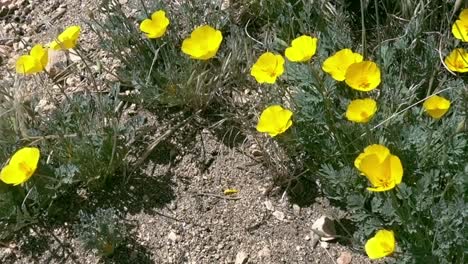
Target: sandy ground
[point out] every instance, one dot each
(175, 209)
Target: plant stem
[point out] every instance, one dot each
(363, 33)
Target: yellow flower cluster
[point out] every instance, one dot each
(270, 66)
(346, 65)
(383, 170)
(203, 43)
(457, 60)
(37, 59)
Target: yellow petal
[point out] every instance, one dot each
(381, 151)
(67, 39)
(21, 166)
(27, 64)
(230, 191)
(460, 30)
(274, 120)
(302, 49)
(396, 169)
(381, 245)
(436, 106)
(457, 60)
(294, 54)
(146, 26)
(363, 76)
(41, 54)
(361, 110)
(383, 170)
(203, 43)
(156, 26)
(374, 170)
(337, 64)
(12, 175)
(268, 68)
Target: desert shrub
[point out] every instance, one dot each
(102, 232)
(156, 71)
(81, 139)
(427, 210)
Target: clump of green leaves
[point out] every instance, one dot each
(427, 210)
(156, 70)
(82, 145)
(102, 232)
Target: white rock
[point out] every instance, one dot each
(269, 205)
(325, 228)
(324, 244)
(264, 253)
(173, 236)
(241, 257)
(279, 215)
(296, 209)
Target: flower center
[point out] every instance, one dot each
(25, 168)
(364, 84)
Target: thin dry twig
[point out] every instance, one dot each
(218, 196)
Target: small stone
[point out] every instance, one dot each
(307, 238)
(315, 239)
(269, 205)
(279, 215)
(241, 257)
(324, 244)
(173, 236)
(264, 253)
(325, 228)
(74, 57)
(344, 258)
(257, 153)
(296, 209)
(172, 205)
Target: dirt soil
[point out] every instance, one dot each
(175, 209)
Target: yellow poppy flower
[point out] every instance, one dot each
(267, 68)
(363, 76)
(381, 245)
(67, 39)
(156, 26)
(274, 120)
(203, 43)
(35, 62)
(457, 60)
(460, 29)
(383, 170)
(337, 64)
(361, 110)
(21, 167)
(302, 49)
(436, 106)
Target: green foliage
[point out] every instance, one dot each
(157, 71)
(426, 211)
(102, 232)
(82, 144)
